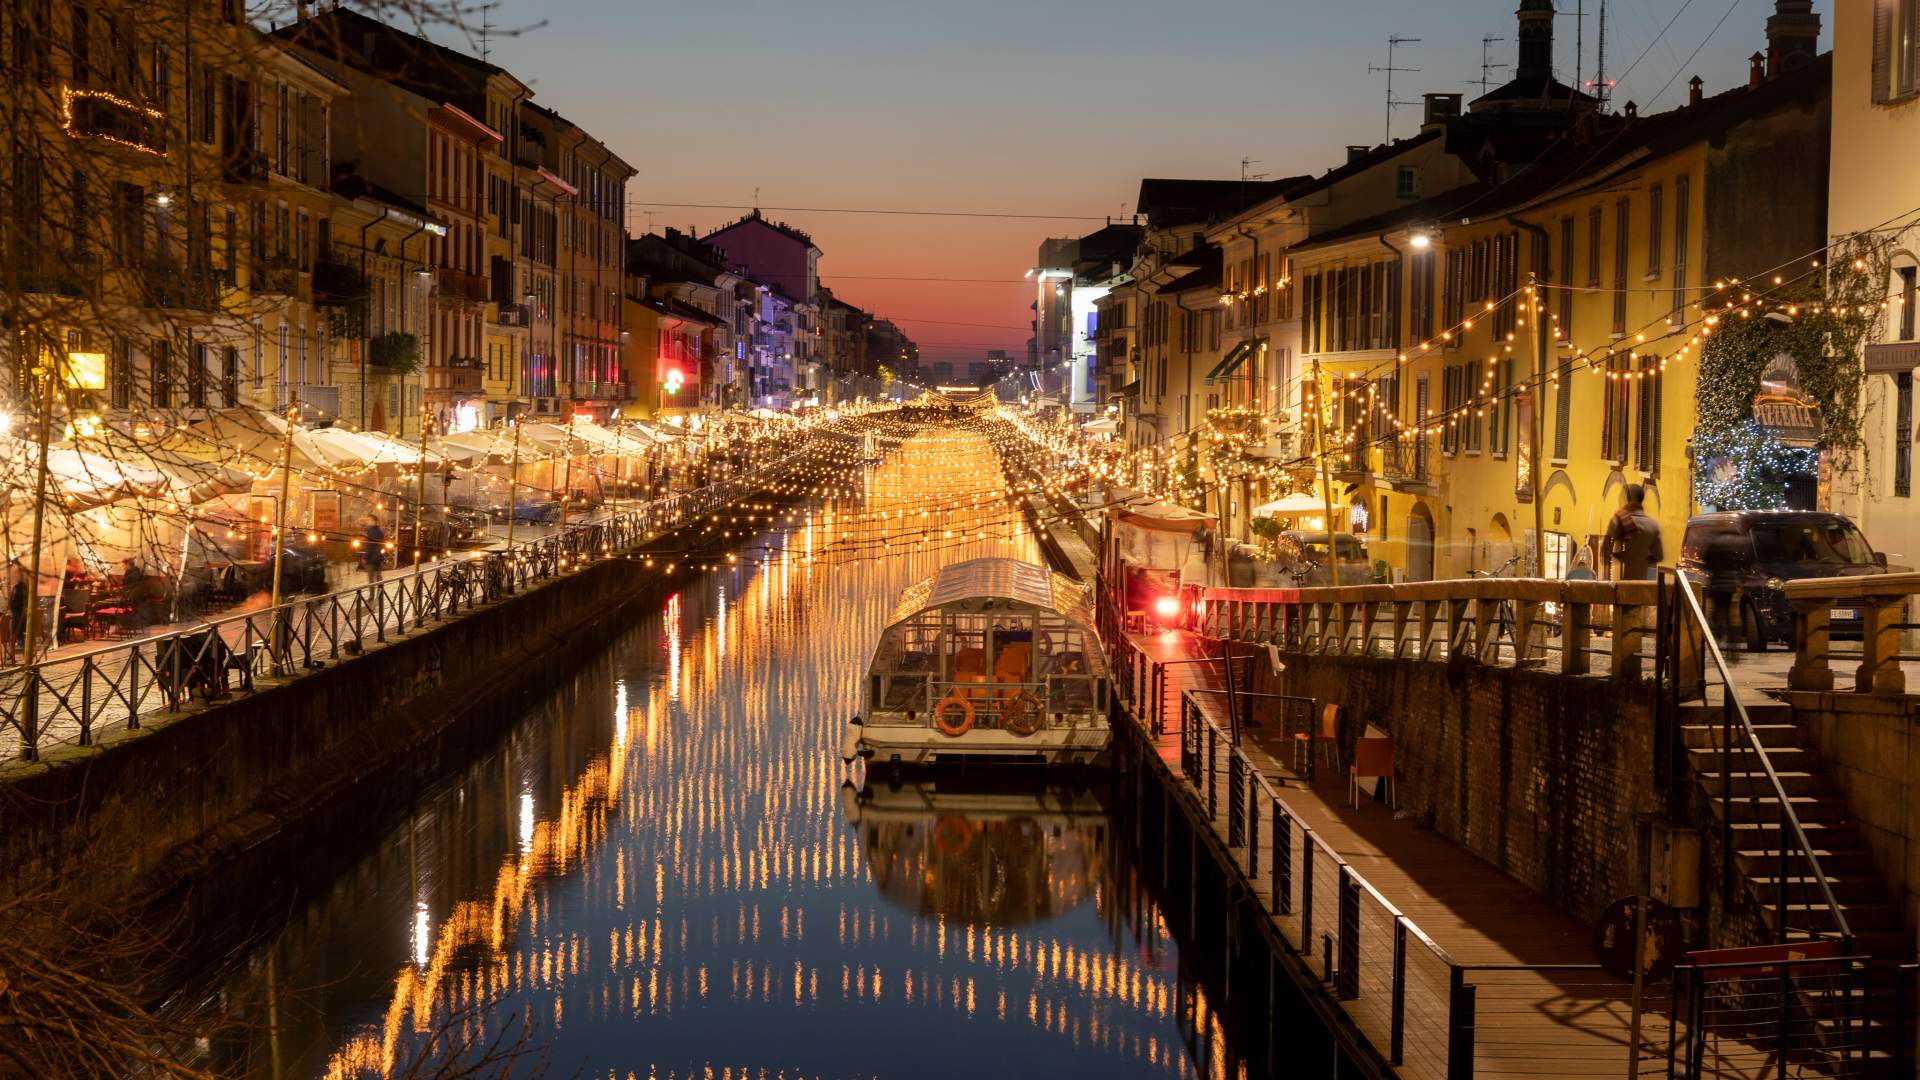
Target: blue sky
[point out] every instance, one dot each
(1027, 106)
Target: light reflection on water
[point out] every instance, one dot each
(661, 873)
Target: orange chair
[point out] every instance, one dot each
(1326, 740)
(1372, 760)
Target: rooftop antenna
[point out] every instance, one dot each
(1602, 90)
(1579, 42)
(1487, 63)
(1246, 173)
(1394, 41)
(486, 29)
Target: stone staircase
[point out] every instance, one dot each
(1791, 892)
(1749, 801)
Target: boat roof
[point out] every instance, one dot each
(1008, 579)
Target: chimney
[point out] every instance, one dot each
(1440, 108)
(1756, 71)
(1355, 153)
(1694, 92)
(1793, 36)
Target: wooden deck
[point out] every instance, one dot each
(1457, 911)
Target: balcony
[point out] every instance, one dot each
(97, 114)
(337, 282)
(396, 351)
(171, 286)
(53, 273)
(460, 286)
(462, 377)
(511, 315)
(277, 275)
(243, 165)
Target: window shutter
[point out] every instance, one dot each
(1653, 454)
(1563, 412)
(1882, 47)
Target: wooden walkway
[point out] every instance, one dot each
(1378, 886)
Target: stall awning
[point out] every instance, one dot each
(1231, 362)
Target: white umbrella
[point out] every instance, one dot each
(1292, 504)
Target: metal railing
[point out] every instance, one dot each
(71, 699)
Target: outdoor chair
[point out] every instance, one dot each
(1325, 741)
(1372, 760)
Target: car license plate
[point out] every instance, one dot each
(1840, 613)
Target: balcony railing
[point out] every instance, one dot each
(276, 275)
(460, 285)
(511, 315)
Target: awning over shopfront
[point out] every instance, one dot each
(1231, 362)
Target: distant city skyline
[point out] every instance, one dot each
(998, 107)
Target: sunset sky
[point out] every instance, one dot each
(1033, 107)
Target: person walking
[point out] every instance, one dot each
(17, 604)
(1633, 537)
(372, 541)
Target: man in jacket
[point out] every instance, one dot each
(1633, 537)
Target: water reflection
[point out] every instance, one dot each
(988, 857)
(654, 871)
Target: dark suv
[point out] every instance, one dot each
(1739, 560)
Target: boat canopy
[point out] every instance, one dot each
(1005, 579)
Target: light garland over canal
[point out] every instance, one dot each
(659, 873)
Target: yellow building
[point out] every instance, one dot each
(1438, 378)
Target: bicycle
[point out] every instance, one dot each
(1505, 619)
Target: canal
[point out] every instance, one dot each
(665, 870)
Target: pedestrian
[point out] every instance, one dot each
(372, 540)
(17, 603)
(1633, 537)
(1581, 569)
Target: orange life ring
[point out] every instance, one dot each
(952, 834)
(940, 711)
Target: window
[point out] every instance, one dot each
(160, 372)
(283, 130)
(1404, 182)
(81, 32)
(1564, 332)
(197, 377)
(1500, 412)
(121, 376)
(81, 217)
(230, 376)
(1896, 39)
(1907, 275)
(1454, 298)
(1616, 404)
(1419, 418)
(1682, 192)
(1593, 247)
(1903, 434)
(1647, 459)
(1622, 223)
(1656, 198)
(1562, 411)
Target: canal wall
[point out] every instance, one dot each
(1546, 776)
(143, 813)
(1869, 745)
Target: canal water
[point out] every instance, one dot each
(665, 871)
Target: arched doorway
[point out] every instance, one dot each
(1419, 544)
(1501, 550)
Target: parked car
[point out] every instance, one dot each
(1303, 558)
(1739, 559)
